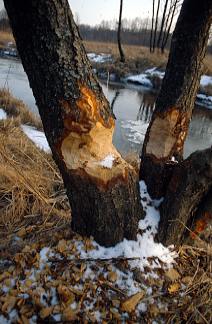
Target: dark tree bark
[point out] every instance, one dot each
(121, 52)
(169, 125)
(77, 120)
(190, 183)
(152, 27)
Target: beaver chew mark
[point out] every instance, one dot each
(167, 134)
(87, 150)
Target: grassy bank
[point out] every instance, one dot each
(138, 58)
(5, 38)
(32, 197)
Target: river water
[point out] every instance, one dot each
(132, 106)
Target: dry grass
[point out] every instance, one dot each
(5, 37)
(31, 190)
(132, 52)
(194, 304)
(17, 109)
(140, 53)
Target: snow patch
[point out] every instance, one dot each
(3, 114)
(205, 80)
(204, 100)
(136, 130)
(107, 162)
(141, 79)
(99, 58)
(37, 137)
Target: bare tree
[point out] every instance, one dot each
(102, 188)
(167, 30)
(156, 26)
(162, 23)
(152, 27)
(121, 52)
(168, 129)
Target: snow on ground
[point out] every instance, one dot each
(204, 100)
(205, 80)
(99, 58)
(78, 277)
(37, 137)
(3, 114)
(136, 130)
(140, 79)
(143, 78)
(107, 162)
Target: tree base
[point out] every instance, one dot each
(109, 214)
(190, 183)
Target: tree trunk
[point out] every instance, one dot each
(121, 52)
(156, 26)
(190, 183)
(168, 129)
(162, 23)
(102, 188)
(152, 27)
(167, 30)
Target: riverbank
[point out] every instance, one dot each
(48, 273)
(141, 68)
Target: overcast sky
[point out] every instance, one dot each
(94, 11)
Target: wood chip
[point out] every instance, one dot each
(130, 304)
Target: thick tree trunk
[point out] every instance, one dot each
(190, 183)
(102, 188)
(168, 129)
(121, 52)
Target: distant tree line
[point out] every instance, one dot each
(4, 21)
(135, 31)
(132, 32)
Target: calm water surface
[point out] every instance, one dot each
(132, 106)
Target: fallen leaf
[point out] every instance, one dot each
(154, 310)
(172, 274)
(24, 320)
(45, 312)
(130, 304)
(9, 304)
(65, 294)
(173, 288)
(112, 276)
(187, 280)
(22, 232)
(69, 315)
(62, 246)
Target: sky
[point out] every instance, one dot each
(92, 12)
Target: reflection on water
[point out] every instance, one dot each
(133, 107)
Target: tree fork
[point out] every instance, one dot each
(77, 120)
(168, 129)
